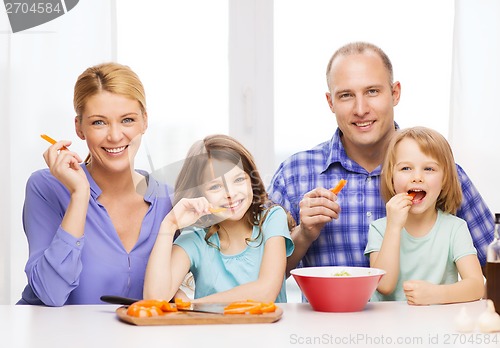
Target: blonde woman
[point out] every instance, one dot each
(91, 226)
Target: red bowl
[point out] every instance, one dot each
(327, 291)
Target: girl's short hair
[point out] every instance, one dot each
(432, 144)
(360, 47)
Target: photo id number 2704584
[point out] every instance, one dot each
(34, 8)
(474, 339)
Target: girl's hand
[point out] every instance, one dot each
(419, 292)
(397, 210)
(187, 211)
(65, 166)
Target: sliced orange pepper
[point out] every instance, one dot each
(150, 308)
(250, 307)
(242, 309)
(339, 186)
(240, 304)
(180, 303)
(137, 310)
(268, 307)
(168, 307)
(412, 194)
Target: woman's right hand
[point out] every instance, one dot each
(65, 166)
(187, 211)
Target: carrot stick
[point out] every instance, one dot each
(216, 210)
(339, 186)
(52, 141)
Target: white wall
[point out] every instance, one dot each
(475, 115)
(38, 69)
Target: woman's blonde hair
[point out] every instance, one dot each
(432, 144)
(110, 77)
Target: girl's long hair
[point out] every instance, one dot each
(228, 150)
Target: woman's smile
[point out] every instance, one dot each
(115, 150)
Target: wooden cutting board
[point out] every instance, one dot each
(197, 318)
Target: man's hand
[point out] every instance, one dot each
(317, 207)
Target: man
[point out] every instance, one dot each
(332, 229)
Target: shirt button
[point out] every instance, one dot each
(78, 243)
(369, 214)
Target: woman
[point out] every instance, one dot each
(91, 226)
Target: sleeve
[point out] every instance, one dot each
(475, 212)
(278, 193)
(462, 244)
(193, 244)
(376, 233)
(54, 264)
(276, 225)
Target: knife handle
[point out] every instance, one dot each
(118, 300)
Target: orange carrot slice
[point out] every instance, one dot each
(52, 141)
(216, 210)
(339, 186)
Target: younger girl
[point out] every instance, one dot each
(420, 244)
(236, 244)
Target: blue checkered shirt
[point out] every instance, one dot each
(342, 241)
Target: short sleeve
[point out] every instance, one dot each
(276, 224)
(193, 244)
(376, 233)
(462, 244)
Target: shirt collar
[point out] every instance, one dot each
(152, 190)
(337, 153)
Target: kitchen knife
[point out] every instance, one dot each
(212, 308)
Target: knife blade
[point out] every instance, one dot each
(212, 308)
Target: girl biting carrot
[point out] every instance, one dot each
(420, 243)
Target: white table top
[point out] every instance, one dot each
(379, 325)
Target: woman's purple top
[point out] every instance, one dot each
(62, 269)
